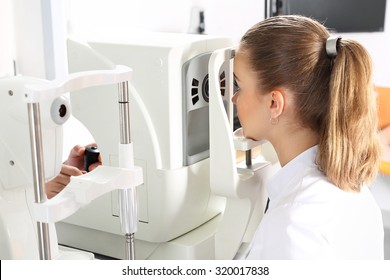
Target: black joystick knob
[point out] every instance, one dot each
(91, 156)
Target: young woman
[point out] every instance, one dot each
(311, 96)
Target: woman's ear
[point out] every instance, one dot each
(277, 103)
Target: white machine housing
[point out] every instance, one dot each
(179, 215)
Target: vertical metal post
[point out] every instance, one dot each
(248, 158)
(39, 176)
(127, 198)
(124, 113)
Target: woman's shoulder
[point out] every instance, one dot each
(313, 189)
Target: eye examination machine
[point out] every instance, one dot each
(181, 214)
(192, 200)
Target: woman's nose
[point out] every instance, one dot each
(234, 98)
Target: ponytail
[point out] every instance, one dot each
(349, 148)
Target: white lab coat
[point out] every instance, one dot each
(310, 218)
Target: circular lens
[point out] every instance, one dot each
(205, 88)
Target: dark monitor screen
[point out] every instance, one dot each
(337, 15)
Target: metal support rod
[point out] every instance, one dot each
(248, 158)
(38, 176)
(127, 197)
(130, 252)
(124, 113)
(128, 215)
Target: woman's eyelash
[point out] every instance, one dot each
(235, 85)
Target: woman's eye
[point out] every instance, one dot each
(235, 86)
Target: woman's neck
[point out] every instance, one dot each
(290, 145)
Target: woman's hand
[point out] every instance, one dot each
(76, 158)
(58, 183)
(73, 166)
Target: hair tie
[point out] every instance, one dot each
(331, 46)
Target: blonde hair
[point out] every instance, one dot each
(333, 96)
